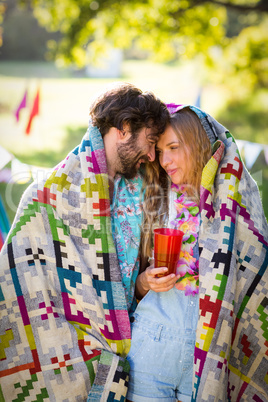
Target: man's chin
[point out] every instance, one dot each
(130, 174)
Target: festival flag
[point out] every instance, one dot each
(197, 102)
(266, 154)
(34, 112)
(5, 157)
(251, 152)
(21, 106)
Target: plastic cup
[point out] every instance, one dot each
(167, 247)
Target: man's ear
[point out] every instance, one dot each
(115, 133)
(125, 133)
(121, 134)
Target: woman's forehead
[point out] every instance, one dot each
(169, 136)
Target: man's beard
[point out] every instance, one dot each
(128, 158)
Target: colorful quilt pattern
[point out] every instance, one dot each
(231, 355)
(64, 330)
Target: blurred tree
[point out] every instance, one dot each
(23, 37)
(231, 35)
(150, 22)
(243, 60)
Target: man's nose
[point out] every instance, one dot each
(151, 154)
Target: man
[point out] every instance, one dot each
(64, 326)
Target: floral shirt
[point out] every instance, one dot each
(187, 220)
(126, 218)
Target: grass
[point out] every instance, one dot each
(65, 96)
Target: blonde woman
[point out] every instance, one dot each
(199, 335)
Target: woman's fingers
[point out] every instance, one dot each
(152, 271)
(159, 283)
(153, 279)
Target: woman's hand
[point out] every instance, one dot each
(149, 280)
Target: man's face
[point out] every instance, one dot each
(136, 151)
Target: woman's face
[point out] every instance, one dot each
(173, 156)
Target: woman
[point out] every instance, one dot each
(226, 240)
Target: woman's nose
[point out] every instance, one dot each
(165, 160)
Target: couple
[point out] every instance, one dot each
(76, 261)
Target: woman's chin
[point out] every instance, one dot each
(175, 180)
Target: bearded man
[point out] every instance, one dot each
(66, 291)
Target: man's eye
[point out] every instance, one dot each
(152, 140)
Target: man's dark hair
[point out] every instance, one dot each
(127, 104)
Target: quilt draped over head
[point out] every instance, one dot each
(64, 330)
(231, 354)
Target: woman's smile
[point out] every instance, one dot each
(171, 172)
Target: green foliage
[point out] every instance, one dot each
(74, 20)
(247, 118)
(244, 61)
(229, 36)
(156, 26)
(167, 29)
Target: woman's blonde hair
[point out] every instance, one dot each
(196, 143)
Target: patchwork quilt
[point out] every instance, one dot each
(64, 329)
(231, 354)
